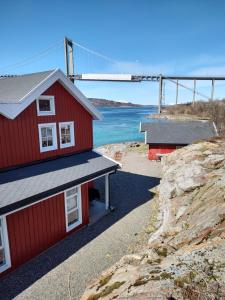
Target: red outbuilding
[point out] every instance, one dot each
(47, 164)
(164, 137)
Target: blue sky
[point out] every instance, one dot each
(145, 36)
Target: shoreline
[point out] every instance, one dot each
(118, 150)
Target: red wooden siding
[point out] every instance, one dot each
(19, 139)
(37, 227)
(159, 149)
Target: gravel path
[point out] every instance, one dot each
(64, 270)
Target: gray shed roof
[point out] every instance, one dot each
(178, 133)
(14, 88)
(22, 186)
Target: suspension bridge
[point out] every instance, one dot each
(69, 61)
(71, 47)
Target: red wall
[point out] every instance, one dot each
(37, 227)
(159, 149)
(19, 140)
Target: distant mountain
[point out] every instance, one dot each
(111, 103)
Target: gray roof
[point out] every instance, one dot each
(22, 186)
(14, 88)
(178, 133)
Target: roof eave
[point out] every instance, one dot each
(49, 193)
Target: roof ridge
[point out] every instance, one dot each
(26, 74)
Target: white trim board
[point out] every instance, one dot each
(52, 106)
(12, 110)
(72, 135)
(79, 208)
(54, 137)
(5, 241)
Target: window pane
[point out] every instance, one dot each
(71, 202)
(67, 129)
(44, 142)
(50, 141)
(71, 192)
(73, 217)
(63, 140)
(66, 134)
(49, 131)
(68, 139)
(44, 105)
(43, 132)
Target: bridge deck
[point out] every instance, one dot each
(138, 78)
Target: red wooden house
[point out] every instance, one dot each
(165, 137)
(46, 163)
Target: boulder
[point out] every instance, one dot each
(184, 258)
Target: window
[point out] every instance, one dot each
(66, 133)
(45, 105)
(73, 208)
(5, 262)
(47, 137)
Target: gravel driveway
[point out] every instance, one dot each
(64, 270)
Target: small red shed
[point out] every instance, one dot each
(47, 162)
(164, 137)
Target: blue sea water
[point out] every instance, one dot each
(121, 124)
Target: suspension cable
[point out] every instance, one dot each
(32, 58)
(188, 88)
(95, 52)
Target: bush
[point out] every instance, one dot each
(212, 110)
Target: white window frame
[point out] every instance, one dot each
(54, 136)
(79, 207)
(52, 106)
(5, 245)
(72, 137)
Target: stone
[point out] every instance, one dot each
(184, 258)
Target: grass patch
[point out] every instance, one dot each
(153, 277)
(107, 290)
(166, 275)
(154, 261)
(141, 281)
(162, 251)
(104, 280)
(155, 271)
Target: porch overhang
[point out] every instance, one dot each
(25, 186)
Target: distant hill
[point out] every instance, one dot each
(111, 103)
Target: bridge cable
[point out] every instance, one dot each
(188, 88)
(95, 53)
(32, 58)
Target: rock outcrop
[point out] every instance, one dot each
(185, 256)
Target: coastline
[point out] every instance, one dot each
(119, 150)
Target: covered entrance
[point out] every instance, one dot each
(99, 198)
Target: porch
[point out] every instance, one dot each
(99, 198)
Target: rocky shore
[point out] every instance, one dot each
(176, 117)
(184, 258)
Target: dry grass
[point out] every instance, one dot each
(104, 280)
(107, 290)
(213, 110)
